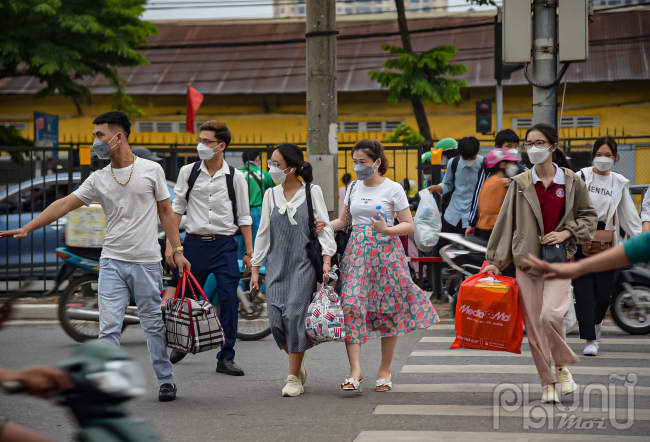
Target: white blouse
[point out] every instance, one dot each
(289, 208)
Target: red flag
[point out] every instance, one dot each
(194, 100)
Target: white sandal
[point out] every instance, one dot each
(356, 383)
(383, 383)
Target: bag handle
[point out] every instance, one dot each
(185, 277)
(310, 210)
(348, 220)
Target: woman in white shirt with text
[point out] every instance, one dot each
(379, 298)
(290, 276)
(610, 194)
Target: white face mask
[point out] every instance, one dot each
(205, 152)
(469, 163)
(426, 176)
(278, 175)
(603, 163)
(512, 170)
(538, 155)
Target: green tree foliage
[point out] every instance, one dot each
(62, 41)
(10, 136)
(406, 135)
(425, 75)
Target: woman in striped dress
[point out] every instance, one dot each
(378, 296)
(282, 237)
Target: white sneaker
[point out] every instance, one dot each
(566, 381)
(303, 372)
(599, 330)
(293, 387)
(591, 349)
(550, 394)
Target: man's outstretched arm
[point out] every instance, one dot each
(54, 211)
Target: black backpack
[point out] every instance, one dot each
(194, 174)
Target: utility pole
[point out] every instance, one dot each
(544, 62)
(322, 126)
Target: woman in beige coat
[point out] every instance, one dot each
(547, 205)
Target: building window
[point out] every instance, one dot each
(348, 11)
(567, 121)
(162, 126)
(378, 2)
(363, 10)
(301, 10)
(368, 126)
(17, 125)
(415, 1)
(426, 9)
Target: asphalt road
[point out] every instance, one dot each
(436, 392)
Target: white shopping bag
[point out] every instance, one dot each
(428, 222)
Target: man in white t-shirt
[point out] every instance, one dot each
(133, 193)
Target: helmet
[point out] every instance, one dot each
(145, 153)
(446, 144)
(426, 157)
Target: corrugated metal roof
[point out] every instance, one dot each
(270, 57)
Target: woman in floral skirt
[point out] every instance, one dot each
(378, 296)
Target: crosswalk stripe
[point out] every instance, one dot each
(464, 436)
(447, 326)
(489, 388)
(521, 369)
(617, 341)
(642, 414)
(499, 354)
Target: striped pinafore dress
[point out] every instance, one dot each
(290, 277)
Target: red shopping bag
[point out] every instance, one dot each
(488, 315)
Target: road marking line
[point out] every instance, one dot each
(452, 326)
(497, 354)
(521, 369)
(532, 411)
(617, 341)
(489, 388)
(464, 436)
(31, 322)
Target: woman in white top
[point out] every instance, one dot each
(610, 194)
(378, 296)
(290, 276)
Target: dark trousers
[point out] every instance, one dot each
(593, 293)
(220, 258)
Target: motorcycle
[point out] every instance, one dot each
(78, 308)
(630, 306)
(103, 378)
(464, 256)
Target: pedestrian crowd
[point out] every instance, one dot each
(524, 206)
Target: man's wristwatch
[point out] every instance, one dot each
(177, 249)
(250, 255)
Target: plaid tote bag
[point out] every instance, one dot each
(192, 324)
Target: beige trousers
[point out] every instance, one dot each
(543, 305)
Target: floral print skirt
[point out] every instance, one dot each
(379, 298)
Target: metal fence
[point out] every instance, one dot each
(32, 178)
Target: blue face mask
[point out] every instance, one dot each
(102, 149)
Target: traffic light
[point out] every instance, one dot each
(484, 116)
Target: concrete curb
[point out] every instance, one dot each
(35, 311)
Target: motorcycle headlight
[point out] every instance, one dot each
(119, 378)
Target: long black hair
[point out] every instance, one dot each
(294, 157)
(550, 133)
(606, 140)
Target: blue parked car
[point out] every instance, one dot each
(35, 255)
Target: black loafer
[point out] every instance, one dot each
(229, 367)
(167, 392)
(176, 356)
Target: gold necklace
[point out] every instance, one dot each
(129, 179)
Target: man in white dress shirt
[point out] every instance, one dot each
(217, 211)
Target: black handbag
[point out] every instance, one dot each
(314, 249)
(343, 235)
(552, 254)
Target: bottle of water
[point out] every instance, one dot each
(382, 213)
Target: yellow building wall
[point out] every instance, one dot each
(623, 108)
